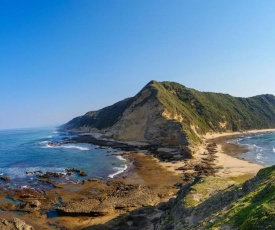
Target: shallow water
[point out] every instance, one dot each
(28, 150)
(261, 148)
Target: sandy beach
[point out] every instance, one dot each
(217, 135)
(232, 166)
(229, 165)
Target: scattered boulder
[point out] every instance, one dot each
(15, 224)
(5, 178)
(34, 172)
(80, 172)
(21, 225)
(51, 175)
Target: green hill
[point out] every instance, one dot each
(256, 209)
(172, 114)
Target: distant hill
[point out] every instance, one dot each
(171, 114)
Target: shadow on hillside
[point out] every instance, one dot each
(140, 218)
(175, 212)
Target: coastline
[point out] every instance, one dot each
(226, 160)
(227, 154)
(254, 131)
(144, 181)
(95, 201)
(158, 178)
(119, 169)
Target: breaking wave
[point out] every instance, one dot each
(119, 170)
(48, 144)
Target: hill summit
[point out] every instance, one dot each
(170, 114)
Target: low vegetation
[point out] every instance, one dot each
(205, 188)
(255, 210)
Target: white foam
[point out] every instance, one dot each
(120, 170)
(73, 147)
(43, 142)
(273, 149)
(121, 158)
(252, 146)
(24, 186)
(16, 172)
(259, 156)
(67, 146)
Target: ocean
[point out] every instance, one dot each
(261, 148)
(30, 150)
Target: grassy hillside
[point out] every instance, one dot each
(246, 206)
(196, 112)
(255, 210)
(216, 111)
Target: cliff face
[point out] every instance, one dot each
(143, 120)
(171, 114)
(139, 118)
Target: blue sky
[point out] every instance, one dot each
(62, 58)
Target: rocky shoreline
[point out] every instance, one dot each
(162, 152)
(145, 183)
(93, 199)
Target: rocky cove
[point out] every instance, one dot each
(144, 183)
(154, 175)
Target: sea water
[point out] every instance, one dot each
(29, 150)
(261, 148)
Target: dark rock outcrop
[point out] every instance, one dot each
(5, 178)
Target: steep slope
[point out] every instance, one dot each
(138, 118)
(171, 114)
(100, 119)
(248, 206)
